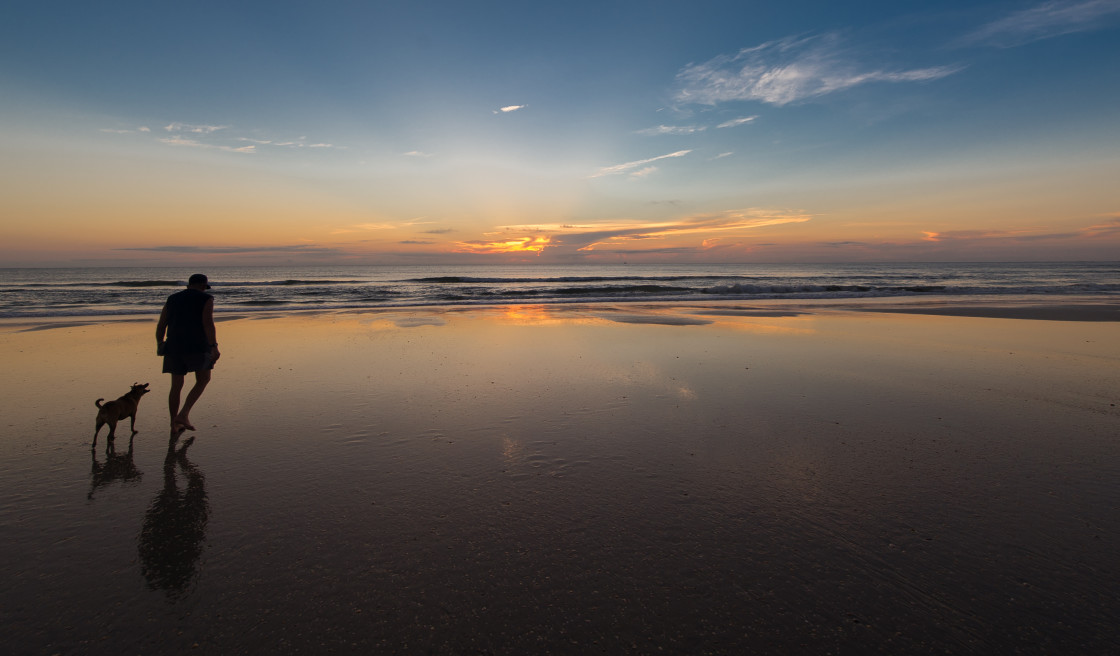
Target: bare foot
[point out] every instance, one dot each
(183, 423)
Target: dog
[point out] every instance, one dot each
(114, 411)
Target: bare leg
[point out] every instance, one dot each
(201, 380)
(173, 397)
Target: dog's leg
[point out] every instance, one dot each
(133, 424)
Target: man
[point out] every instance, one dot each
(192, 345)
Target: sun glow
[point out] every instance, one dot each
(533, 315)
(519, 245)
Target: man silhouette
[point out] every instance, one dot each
(187, 320)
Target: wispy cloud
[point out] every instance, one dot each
(221, 137)
(363, 227)
(1109, 229)
(417, 153)
(509, 108)
(301, 143)
(1049, 19)
(595, 236)
(737, 121)
(672, 129)
(194, 143)
(375, 227)
(142, 129)
(629, 166)
(786, 71)
(194, 129)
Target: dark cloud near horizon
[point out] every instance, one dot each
(841, 244)
(668, 250)
(233, 250)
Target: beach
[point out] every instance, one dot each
(682, 478)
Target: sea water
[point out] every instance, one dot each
(76, 292)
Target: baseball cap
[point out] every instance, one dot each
(198, 279)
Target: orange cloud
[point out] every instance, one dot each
(519, 245)
(1106, 229)
(732, 220)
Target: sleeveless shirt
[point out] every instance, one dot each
(184, 322)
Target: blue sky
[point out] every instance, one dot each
(421, 131)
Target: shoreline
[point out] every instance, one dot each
(1078, 309)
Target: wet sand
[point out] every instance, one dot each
(571, 479)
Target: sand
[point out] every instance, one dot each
(570, 479)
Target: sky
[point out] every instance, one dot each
(149, 133)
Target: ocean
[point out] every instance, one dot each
(81, 292)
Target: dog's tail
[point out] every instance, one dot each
(98, 402)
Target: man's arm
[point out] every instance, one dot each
(209, 328)
(161, 325)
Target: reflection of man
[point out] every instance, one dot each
(174, 527)
(192, 345)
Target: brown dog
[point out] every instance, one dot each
(114, 411)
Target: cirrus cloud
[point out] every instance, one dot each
(737, 121)
(194, 129)
(629, 166)
(672, 129)
(1049, 19)
(786, 71)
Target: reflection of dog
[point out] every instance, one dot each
(114, 411)
(115, 468)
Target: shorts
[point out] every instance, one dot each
(178, 364)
